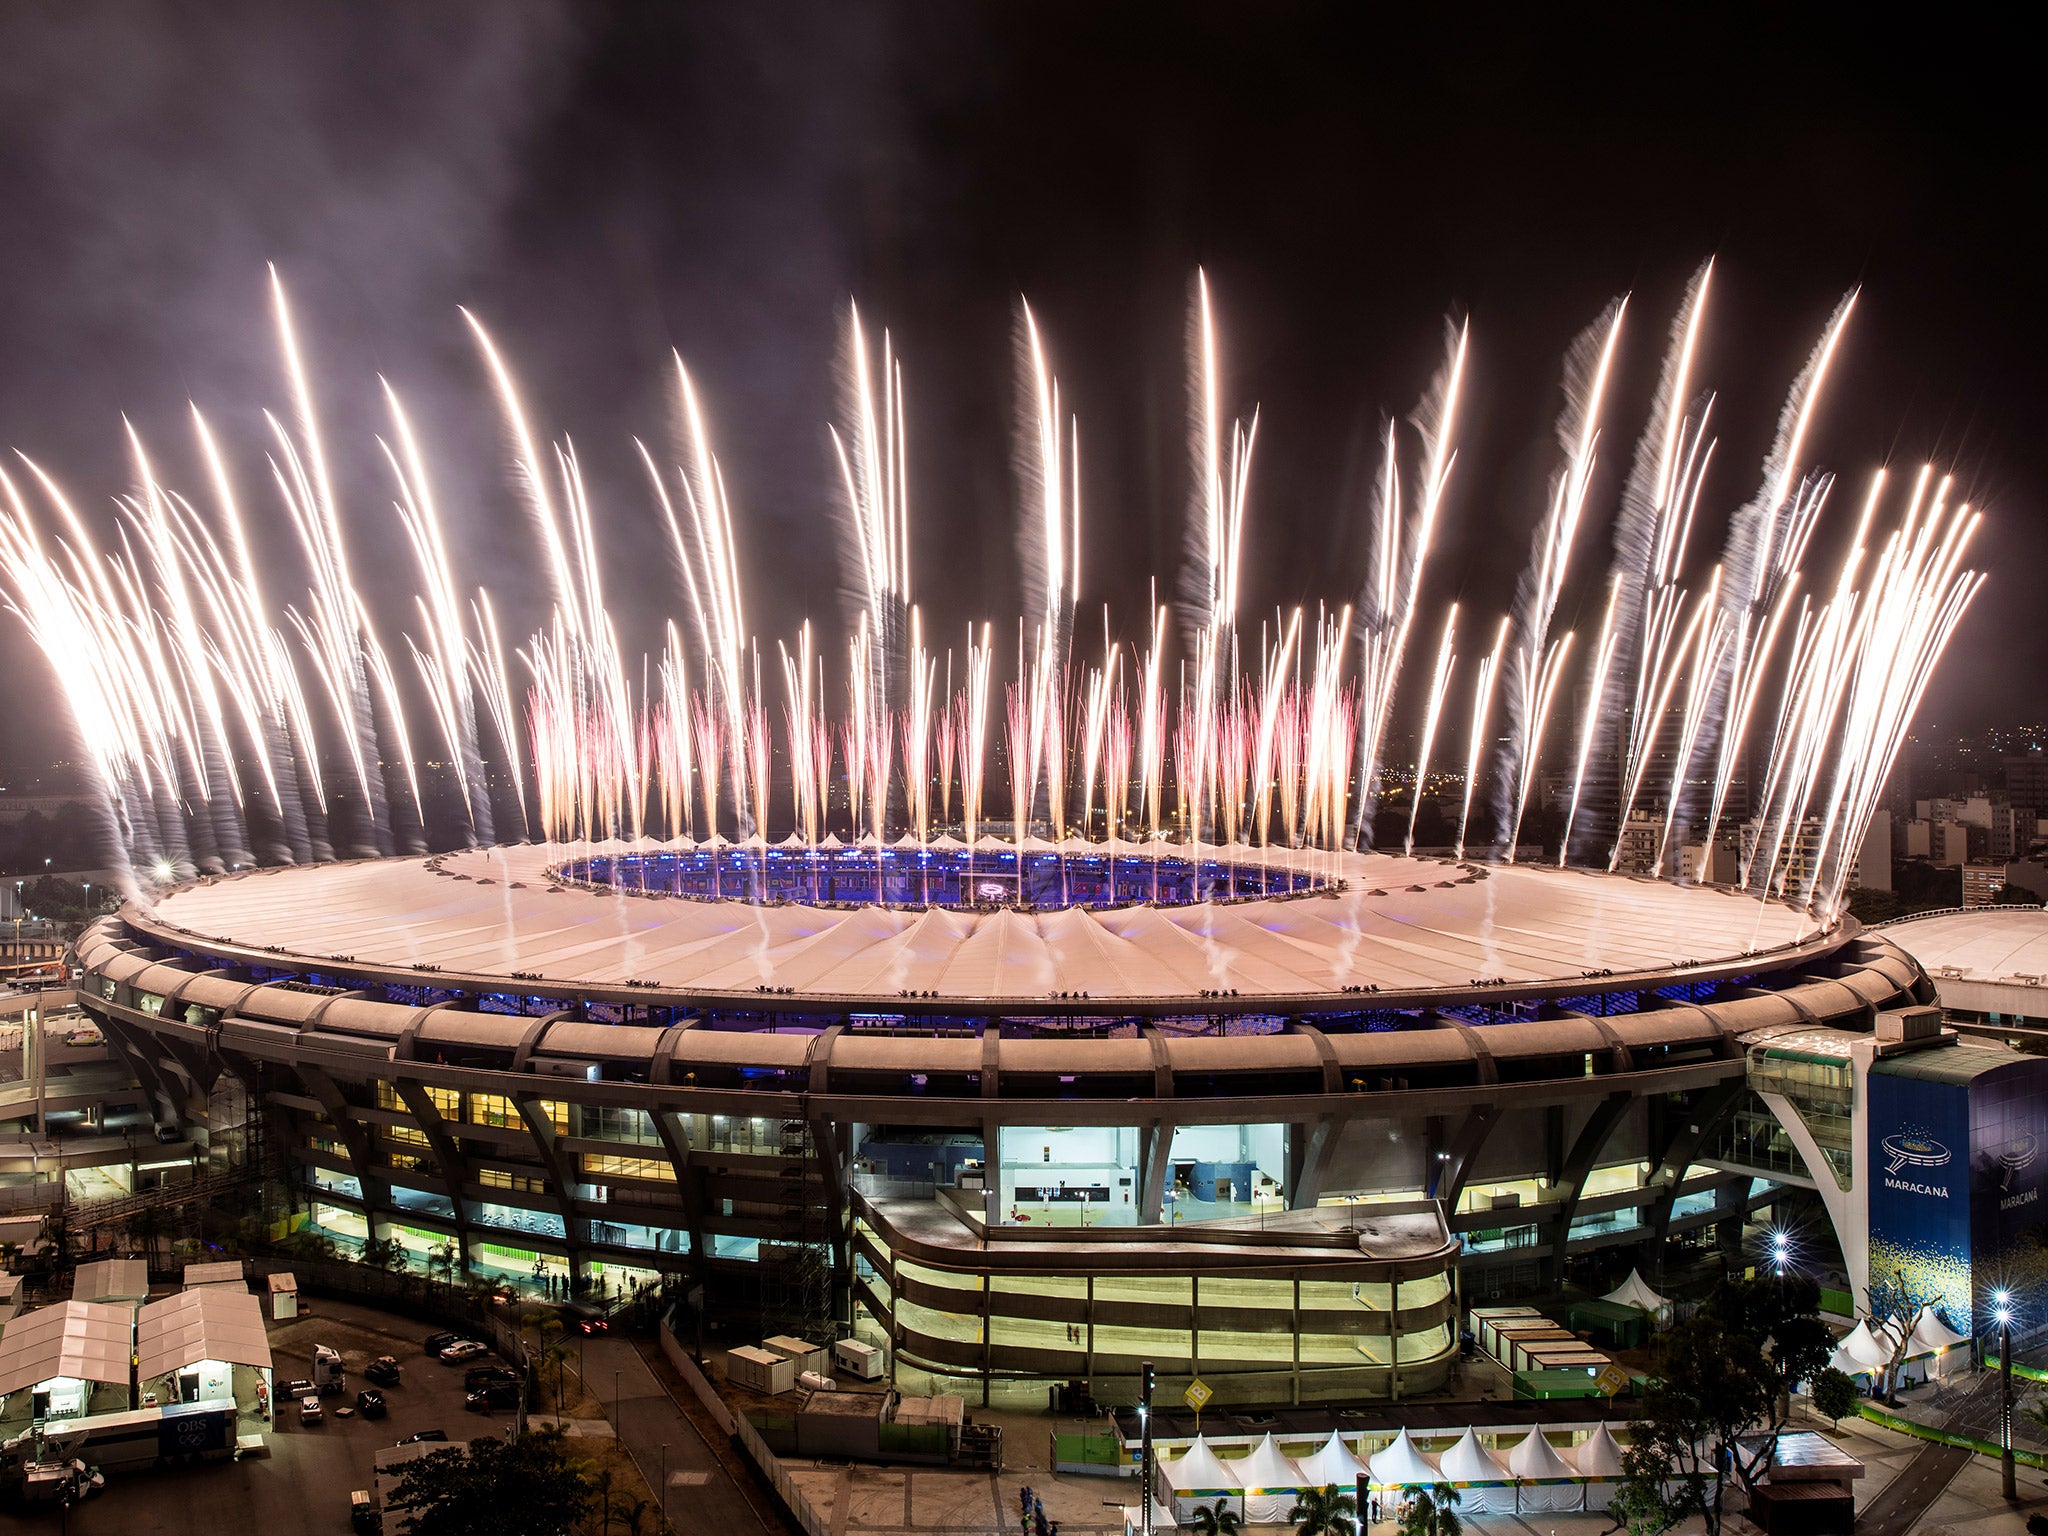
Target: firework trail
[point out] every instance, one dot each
(1400, 545)
(1221, 465)
(1536, 661)
(1048, 462)
(204, 711)
(1652, 527)
(1482, 713)
(1439, 684)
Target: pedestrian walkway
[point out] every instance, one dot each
(697, 1491)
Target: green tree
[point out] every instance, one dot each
(1217, 1519)
(1432, 1512)
(1324, 1512)
(1721, 1396)
(521, 1487)
(1834, 1394)
(547, 1345)
(384, 1253)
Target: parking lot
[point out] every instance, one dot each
(304, 1483)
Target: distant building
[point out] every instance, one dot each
(1874, 863)
(1983, 879)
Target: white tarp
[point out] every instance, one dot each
(1547, 1482)
(1271, 1482)
(1333, 1464)
(209, 1323)
(1401, 1465)
(78, 1339)
(1632, 1292)
(1485, 1486)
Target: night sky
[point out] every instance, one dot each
(603, 183)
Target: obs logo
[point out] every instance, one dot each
(2018, 1156)
(1910, 1149)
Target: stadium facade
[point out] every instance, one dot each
(1277, 1137)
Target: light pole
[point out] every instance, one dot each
(2002, 1311)
(1145, 1447)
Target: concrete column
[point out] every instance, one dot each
(1296, 1396)
(1394, 1338)
(1088, 1362)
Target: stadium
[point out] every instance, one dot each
(1025, 1111)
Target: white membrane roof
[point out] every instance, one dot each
(1988, 944)
(1401, 925)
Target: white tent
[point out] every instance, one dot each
(1198, 1476)
(1270, 1481)
(1164, 1518)
(1932, 1336)
(1485, 1487)
(1400, 1465)
(1547, 1482)
(1632, 1292)
(1859, 1352)
(1599, 1460)
(1332, 1464)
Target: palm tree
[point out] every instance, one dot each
(1217, 1519)
(1324, 1512)
(1432, 1512)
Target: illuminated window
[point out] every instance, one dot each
(629, 1167)
(447, 1100)
(493, 1109)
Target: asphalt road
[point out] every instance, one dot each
(701, 1493)
(1912, 1493)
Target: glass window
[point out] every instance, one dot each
(629, 1167)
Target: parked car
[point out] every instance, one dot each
(363, 1518)
(493, 1394)
(426, 1435)
(461, 1350)
(294, 1390)
(310, 1411)
(383, 1370)
(436, 1342)
(370, 1403)
(483, 1375)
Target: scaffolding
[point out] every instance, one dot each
(796, 1266)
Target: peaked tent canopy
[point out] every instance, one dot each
(1270, 1482)
(1199, 1469)
(1536, 1459)
(1400, 1465)
(1549, 1485)
(1632, 1292)
(1470, 1462)
(1859, 1352)
(1333, 1463)
(1485, 1487)
(1930, 1333)
(1599, 1456)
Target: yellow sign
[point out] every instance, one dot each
(1197, 1394)
(1612, 1381)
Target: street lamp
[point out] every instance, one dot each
(1781, 1253)
(2001, 1310)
